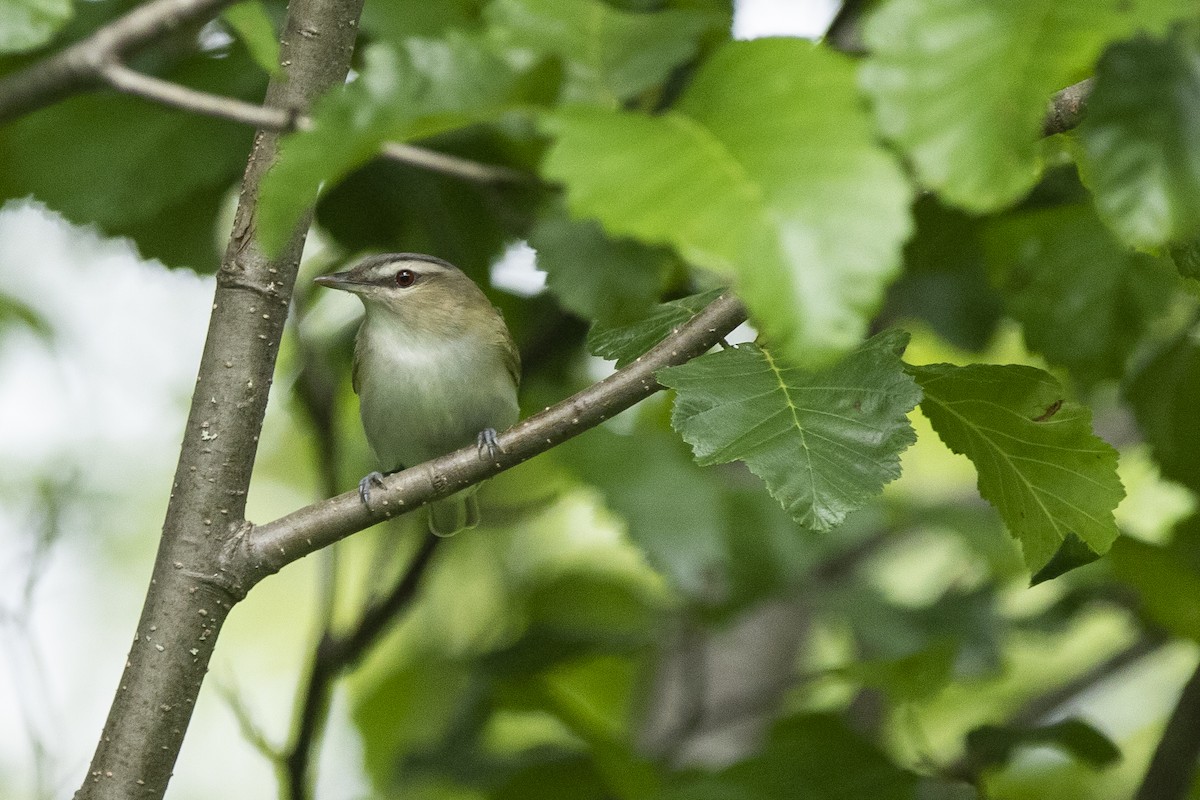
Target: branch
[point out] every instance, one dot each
(1173, 765)
(78, 66)
(188, 599)
(265, 549)
(335, 654)
(1067, 108)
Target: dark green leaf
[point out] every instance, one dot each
(914, 677)
(395, 21)
(945, 281)
(594, 276)
(994, 745)
(962, 85)
(29, 24)
(814, 757)
(1083, 299)
(624, 343)
(1073, 553)
(1187, 258)
(1163, 394)
(610, 55)
(1038, 461)
(1141, 138)
(824, 442)
(778, 183)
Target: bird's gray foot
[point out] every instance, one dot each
(364, 487)
(487, 444)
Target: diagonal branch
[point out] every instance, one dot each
(1173, 766)
(265, 549)
(78, 66)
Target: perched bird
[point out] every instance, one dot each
(435, 369)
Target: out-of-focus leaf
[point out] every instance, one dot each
(135, 168)
(29, 24)
(823, 442)
(1141, 139)
(994, 745)
(610, 55)
(14, 313)
(395, 21)
(253, 25)
(624, 343)
(1083, 299)
(914, 677)
(1038, 461)
(671, 507)
(595, 276)
(962, 85)
(425, 88)
(778, 183)
(812, 756)
(1186, 256)
(1167, 578)
(945, 281)
(1163, 394)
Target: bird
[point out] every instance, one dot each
(435, 369)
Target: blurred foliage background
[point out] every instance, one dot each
(627, 623)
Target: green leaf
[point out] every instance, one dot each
(1166, 577)
(1038, 461)
(815, 757)
(610, 55)
(914, 677)
(1072, 554)
(945, 281)
(594, 276)
(29, 24)
(994, 745)
(1186, 257)
(777, 183)
(153, 173)
(395, 21)
(426, 88)
(1141, 139)
(253, 25)
(671, 507)
(624, 343)
(824, 442)
(962, 85)
(1084, 300)
(1163, 394)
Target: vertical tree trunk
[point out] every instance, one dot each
(189, 596)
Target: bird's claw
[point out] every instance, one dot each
(364, 487)
(487, 444)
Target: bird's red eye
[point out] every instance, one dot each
(405, 278)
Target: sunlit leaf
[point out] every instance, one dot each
(1141, 139)
(252, 24)
(824, 442)
(610, 55)
(1038, 461)
(428, 87)
(29, 24)
(778, 183)
(963, 85)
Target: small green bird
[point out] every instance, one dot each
(435, 369)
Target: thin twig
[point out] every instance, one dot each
(130, 81)
(334, 655)
(1173, 765)
(1067, 108)
(78, 66)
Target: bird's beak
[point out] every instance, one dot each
(338, 280)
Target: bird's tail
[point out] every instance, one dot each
(454, 513)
